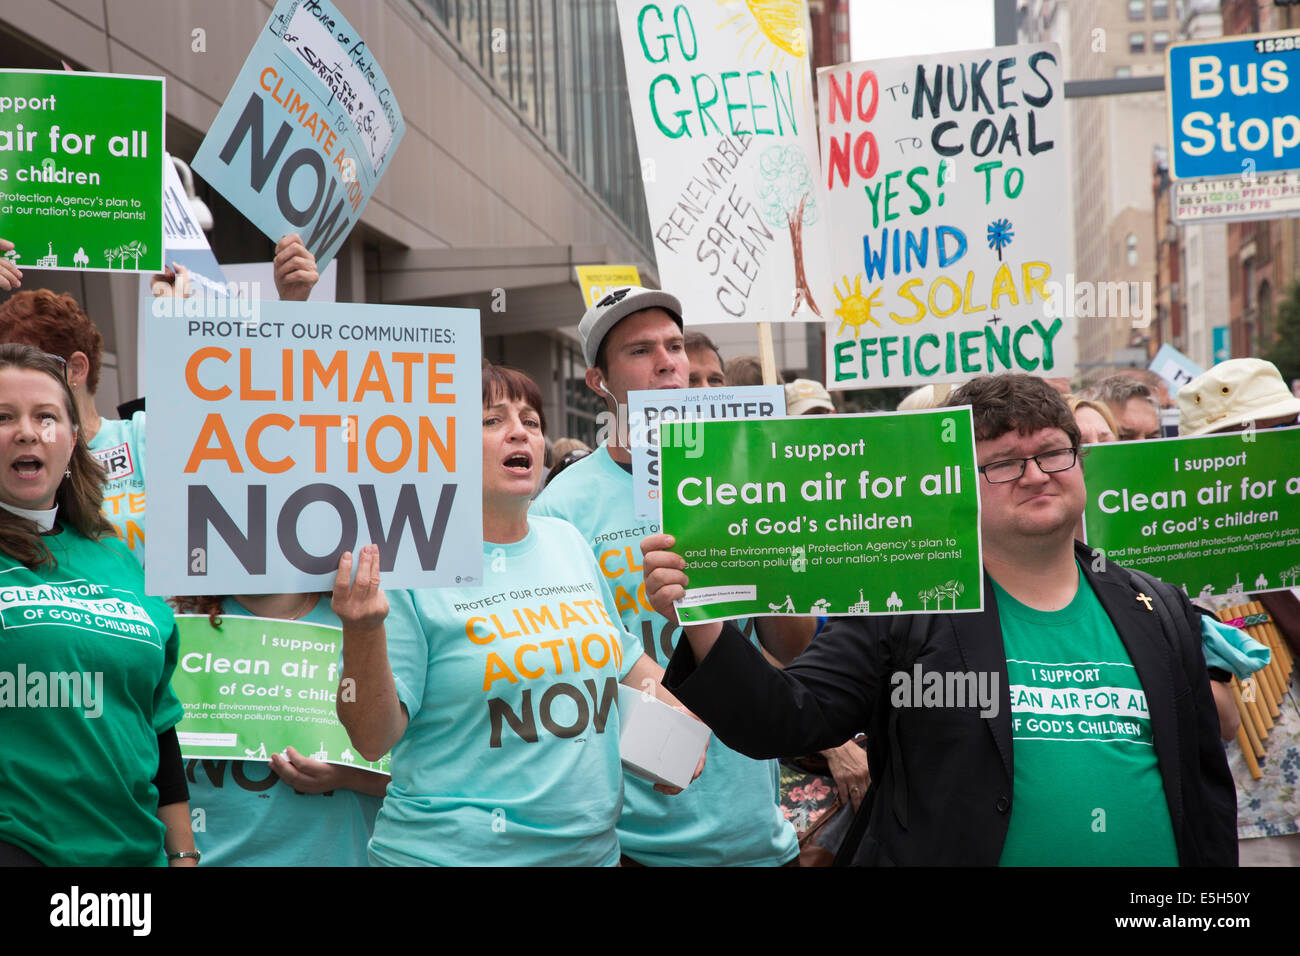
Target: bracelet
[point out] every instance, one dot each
(194, 855)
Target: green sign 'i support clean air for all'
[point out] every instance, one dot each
(1218, 514)
(257, 685)
(81, 170)
(828, 515)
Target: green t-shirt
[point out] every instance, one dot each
(85, 672)
(1087, 788)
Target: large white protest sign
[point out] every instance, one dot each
(278, 442)
(722, 102)
(948, 236)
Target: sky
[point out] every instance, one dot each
(880, 29)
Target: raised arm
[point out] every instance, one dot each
(367, 697)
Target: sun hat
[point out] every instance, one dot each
(803, 394)
(1233, 393)
(615, 307)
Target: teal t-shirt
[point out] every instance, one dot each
(245, 815)
(119, 447)
(511, 754)
(85, 688)
(731, 814)
(1087, 788)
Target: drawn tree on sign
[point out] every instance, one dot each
(110, 255)
(1292, 572)
(788, 200)
(925, 596)
(12, 255)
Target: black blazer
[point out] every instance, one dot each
(956, 802)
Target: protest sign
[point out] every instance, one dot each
(948, 242)
(598, 281)
(183, 238)
(830, 514)
(722, 103)
(307, 130)
(80, 185)
(1217, 514)
(278, 442)
(1174, 367)
(257, 685)
(646, 410)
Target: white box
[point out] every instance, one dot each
(656, 742)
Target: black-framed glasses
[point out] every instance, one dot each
(1009, 469)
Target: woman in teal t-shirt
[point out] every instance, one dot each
(90, 770)
(500, 702)
(288, 810)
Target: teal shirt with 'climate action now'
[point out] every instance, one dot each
(250, 817)
(730, 815)
(119, 447)
(511, 754)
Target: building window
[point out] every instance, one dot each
(1159, 9)
(1123, 72)
(1131, 250)
(1137, 9)
(581, 405)
(1137, 42)
(1159, 40)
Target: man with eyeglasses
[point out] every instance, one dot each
(1099, 745)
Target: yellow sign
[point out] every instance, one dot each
(599, 281)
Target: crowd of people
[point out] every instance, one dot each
(476, 780)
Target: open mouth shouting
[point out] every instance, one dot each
(519, 463)
(28, 467)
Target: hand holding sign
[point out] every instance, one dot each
(665, 583)
(360, 604)
(10, 275)
(316, 776)
(174, 282)
(295, 269)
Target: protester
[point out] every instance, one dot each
(1131, 403)
(707, 367)
(803, 396)
(90, 769)
(985, 782)
(1154, 383)
(505, 748)
(1249, 394)
(1096, 424)
(632, 339)
(56, 324)
(927, 396)
(289, 810)
(748, 370)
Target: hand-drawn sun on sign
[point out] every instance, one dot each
(855, 308)
(778, 22)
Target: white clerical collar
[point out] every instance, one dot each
(44, 519)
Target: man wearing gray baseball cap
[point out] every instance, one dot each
(632, 340)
